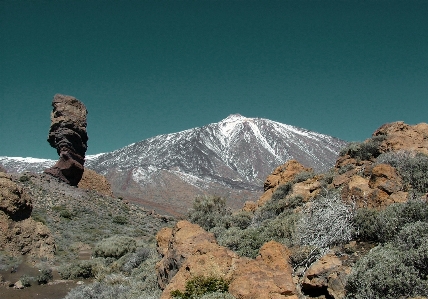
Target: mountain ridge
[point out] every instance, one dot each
(229, 158)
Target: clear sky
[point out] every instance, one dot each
(145, 68)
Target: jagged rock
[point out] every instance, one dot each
(14, 201)
(327, 277)
(403, 136)
(385, 178)
(267, 276)
(307, 189)
(19, 233)
(2, 169)
(343, 178)
(68, 135)
(95, 181)
(162, 240)
(193, 252)
(281, 175)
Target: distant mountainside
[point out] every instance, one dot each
(230, 158)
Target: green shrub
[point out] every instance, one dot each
(364, 150)
(241, 219)
(383, 226)
(276, 206)
(45, 276)
(303, 176)
(387, 272)
(26, 280)
(282, 228)
(135, 259)
(412, 167)
(80, 269)
(24, 178)
(120, 220)
(200, 285)
(115, 247)
(245, 242)
(282, 191)
(209, 211)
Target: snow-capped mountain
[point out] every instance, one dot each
(230, 158)
(19, 164)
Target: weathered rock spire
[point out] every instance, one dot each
(68, 135)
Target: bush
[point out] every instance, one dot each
(209, 212)
(135, 259)
(26, 280)
(364, 150)
(98, 290)
(383, 226)
(245, 242)
(282, 191)
(81, 269)
(303, 176)
(115, 246)
(387, 272)
(120, 220)
(200, 285)
(44, 276)
(326, 222)
(412, 167)
(241, 219)
(276, 206)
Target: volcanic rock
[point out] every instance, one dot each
(68, 135)
(95, 181)
(191, 251)
(281, 175)
(403, 136)
(14, 201)
(19, 233)
(327, 276)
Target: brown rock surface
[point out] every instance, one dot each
(307, 189)
(327, 276)
(281, 175)
(267, 276)
(2, 169)
(68, 135)
(404, 136)
(385, 178)
(14, 201)
(19, 233)
(192, 251)
(95, 181)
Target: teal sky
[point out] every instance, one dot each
(145, 68)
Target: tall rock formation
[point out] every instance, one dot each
(68, 135)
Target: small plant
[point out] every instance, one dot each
(115, 247)
(209, 212)
(200, 285)
(120, 220)
(45, 276)
(81, 269)
(26, 280)
(326, 222)
(24, 178)
(364, 150)
(303, 176)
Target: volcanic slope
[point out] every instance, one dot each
(230, 158)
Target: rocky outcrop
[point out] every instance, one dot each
(19, 233)
(14, 201)
(191, 251)
(281, 175)
(95, 181)
(403, 136)
(2, 169)
(327, 277)
(68, 135)
(267, 276)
